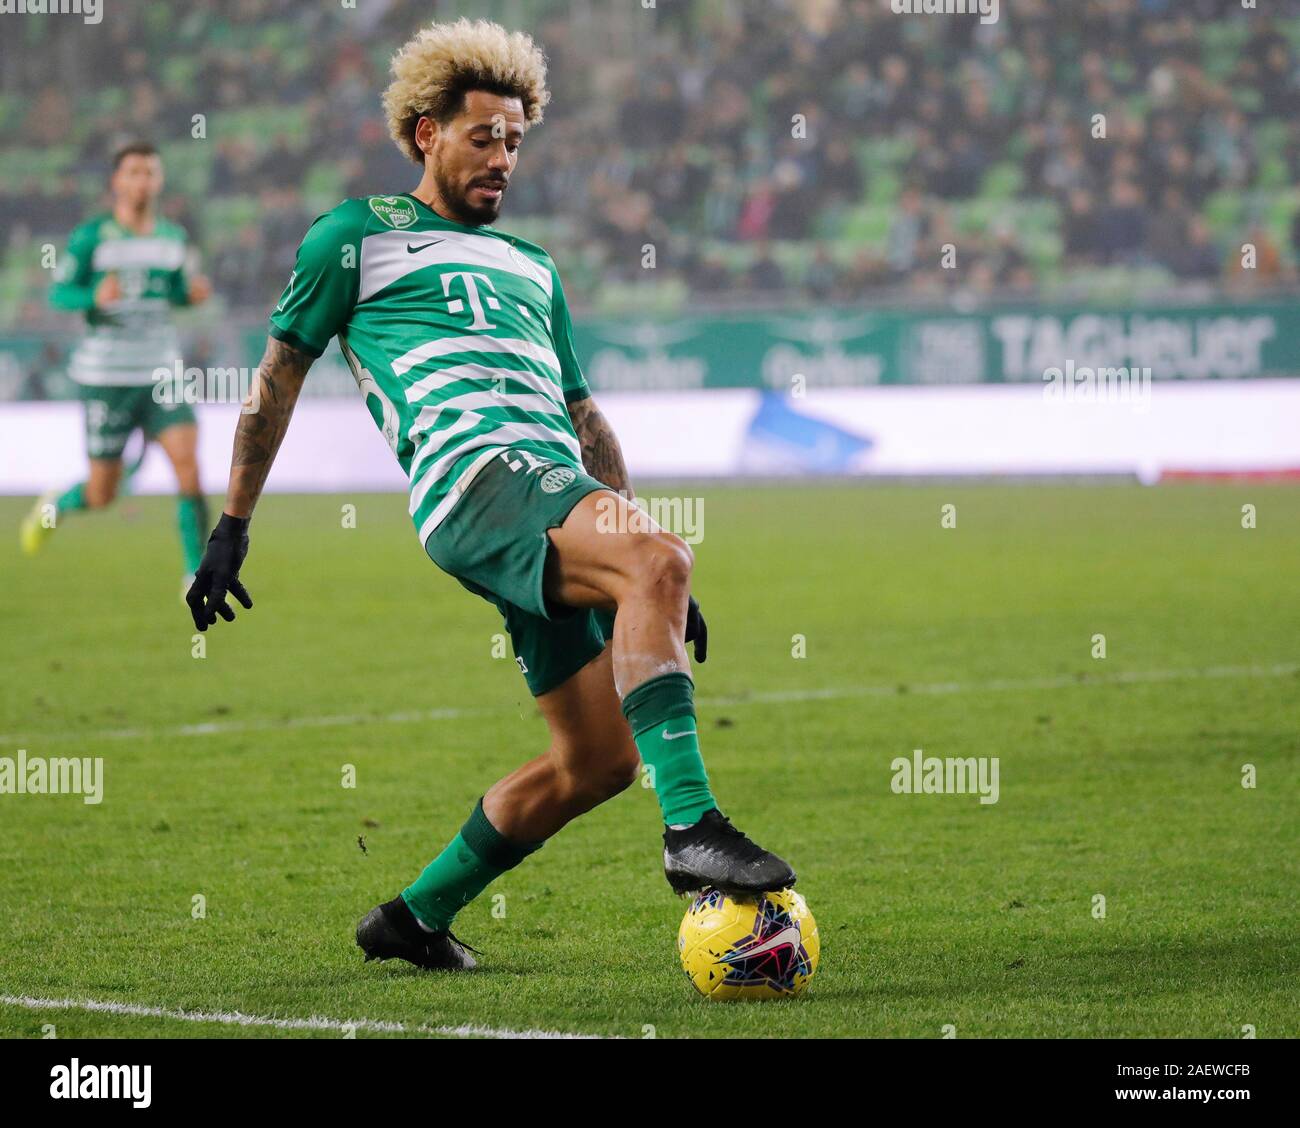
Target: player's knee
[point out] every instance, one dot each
(663, 565)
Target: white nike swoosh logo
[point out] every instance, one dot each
(787, 937)
(675, 735)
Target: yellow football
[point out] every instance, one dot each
(733, 948)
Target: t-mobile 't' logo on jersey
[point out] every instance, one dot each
(476, 303)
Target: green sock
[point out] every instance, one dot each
(192, 518)
(476, 857)
(672, 751)
(71, 499)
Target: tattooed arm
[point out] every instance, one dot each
(601, 454)
(603, 459)
(262, 424)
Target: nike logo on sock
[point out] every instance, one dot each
(676, 735)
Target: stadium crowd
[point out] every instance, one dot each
(769, 149)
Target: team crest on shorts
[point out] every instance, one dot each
(396, 211)
(553, 481)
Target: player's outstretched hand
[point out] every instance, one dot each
(219, 574)
(696, 630)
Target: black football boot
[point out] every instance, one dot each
(714, 853)
(391, 932)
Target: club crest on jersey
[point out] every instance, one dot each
(396, 211)
(553, 481)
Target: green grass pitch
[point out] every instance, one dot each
(1119, 776)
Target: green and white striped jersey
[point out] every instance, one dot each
(459, 338)
(128, 341)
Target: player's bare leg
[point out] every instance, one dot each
(101, 487)
(96, 492)
(592, 758)
(606, 553)
(644, 572)
(180, 444)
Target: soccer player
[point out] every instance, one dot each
(460, 340)
(125, 269)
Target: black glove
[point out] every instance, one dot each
(696, 630)
(219, 573)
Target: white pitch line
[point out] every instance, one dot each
(315, 1022)
(762, 697)
(1061, 681)
(263, 724)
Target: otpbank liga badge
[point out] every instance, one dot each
(395, 211)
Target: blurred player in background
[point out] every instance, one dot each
(125, 269)
(461, 340)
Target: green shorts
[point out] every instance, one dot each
(494, 542)
(112, 413)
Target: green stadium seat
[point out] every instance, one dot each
(1273, 172)
(1270, 138)
(231, 212)
(1223, 212)
(884, 186)
(885, 151)
(180, 71)
(1002, 181)
(869, 224)
(793, 257)
(323, 186)
(12, 109)
(828, 224)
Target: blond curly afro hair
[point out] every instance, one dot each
(433, 72)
